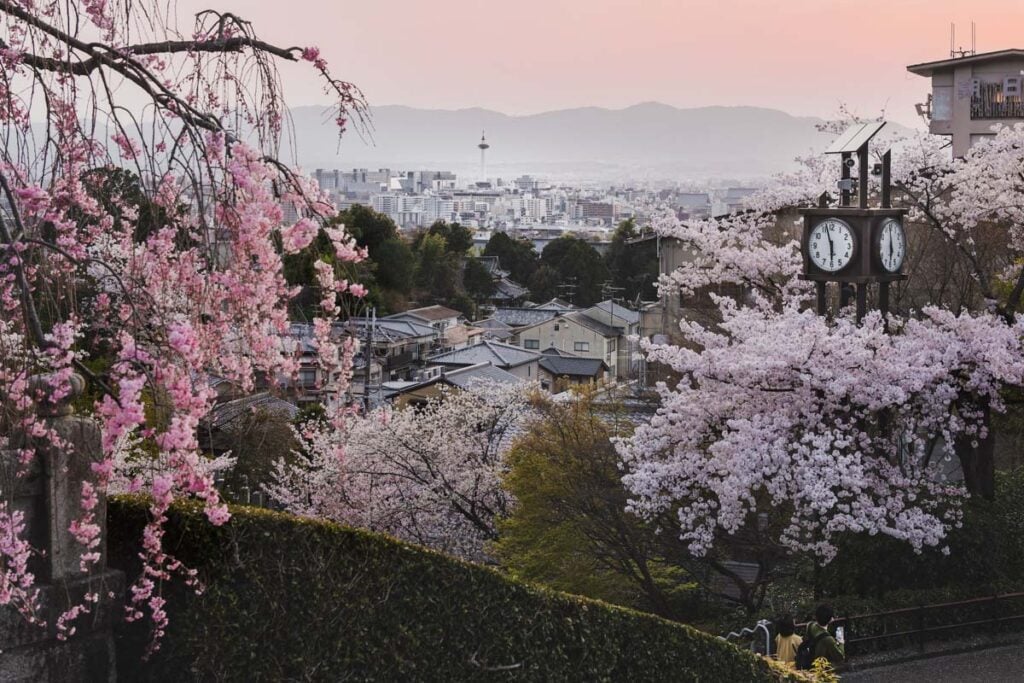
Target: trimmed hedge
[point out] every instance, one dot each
(289, 598)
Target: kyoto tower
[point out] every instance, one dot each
(483, 156)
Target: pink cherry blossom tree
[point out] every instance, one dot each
(142, 224)
(428, 474)
(792, 429)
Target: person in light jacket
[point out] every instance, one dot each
(787, 641)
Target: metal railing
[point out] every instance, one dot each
(763, 625)
(917, 625)
(910, 626)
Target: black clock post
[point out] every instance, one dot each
(855, 246)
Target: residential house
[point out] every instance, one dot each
(495, 329)
(627, 322)
(449, 333)
(457, 378)
(522, 363)
(971, 93)
(578, 334)
(560, 369)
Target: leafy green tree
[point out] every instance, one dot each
(578, 264)
(369, 228)
(436, 270)
(570, 529)
(458, 238)
(395, 265)
(633, 266)
(478, 281)
(518, 257)
(544, 283)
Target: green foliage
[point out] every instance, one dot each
(369, 228)
(436, 273)
(458, 239)
(518, 257)
(544, 283)
(477, 280)
(577, 263)
(634, 267)
(296, 599)
(387, 271)
(570, 529)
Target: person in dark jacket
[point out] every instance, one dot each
(825, 645)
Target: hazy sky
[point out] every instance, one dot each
(526, 56)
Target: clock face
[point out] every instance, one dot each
(892, 245)
(830, 246)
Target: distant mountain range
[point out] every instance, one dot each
(645, 141)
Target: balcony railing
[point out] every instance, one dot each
(991, 104)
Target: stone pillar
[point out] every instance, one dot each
(50, 497)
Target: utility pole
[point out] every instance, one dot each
(569, 287)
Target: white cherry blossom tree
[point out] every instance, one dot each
(794, 428)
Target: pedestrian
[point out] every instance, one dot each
(786, 640)
(819, 643)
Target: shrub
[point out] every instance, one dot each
(290, 598)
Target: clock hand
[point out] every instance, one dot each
(831, 257)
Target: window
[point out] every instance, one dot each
(610, 345)
(942, 103)
(531, 343)
(1011, 86)
(581, 346)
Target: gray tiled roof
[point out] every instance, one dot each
(508, 289)
(228, 411)
(557, 305)
(581, 318)
(483, 372)
(430, 313)
(496, 353)
(618, 315)
(524, 317)
(573, 367)
(390, 330)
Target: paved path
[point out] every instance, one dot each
(997, 665)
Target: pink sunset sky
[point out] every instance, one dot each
(527, 56)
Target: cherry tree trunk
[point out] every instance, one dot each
(977, 459)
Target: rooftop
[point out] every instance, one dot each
(523, 317)
(573, 367)
(928, 68)
(482, 372)
(431, 313)
(613, 314)
(581, 318)
(227, 412)
(496, 353)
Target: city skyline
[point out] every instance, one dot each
(534, 56)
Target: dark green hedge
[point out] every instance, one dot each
(295, 599)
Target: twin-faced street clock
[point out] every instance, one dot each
(855, 246)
